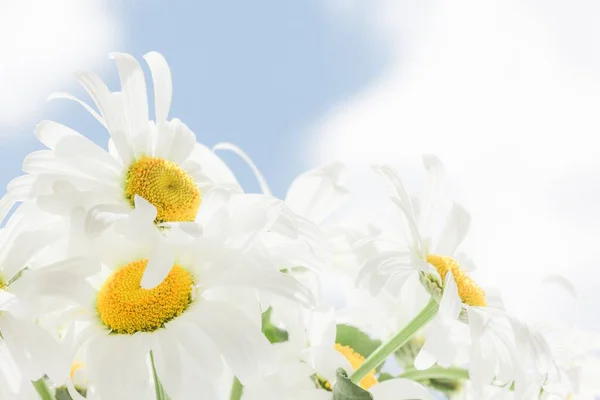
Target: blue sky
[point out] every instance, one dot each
(257, 74)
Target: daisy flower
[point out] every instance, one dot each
(204, 313)
(311, 372)
(160, 160)
(430, 250)
(430, 247)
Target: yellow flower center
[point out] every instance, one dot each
(125, 307)
(356, 360)
(470, 293)
(166, 186)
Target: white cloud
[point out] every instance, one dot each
(506, 93)
(41, 44)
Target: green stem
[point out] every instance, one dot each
(383, 352)
(236, 390)
(158, 387)
(43, 390)
(436, 372)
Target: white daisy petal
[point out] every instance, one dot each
(243, 346)
(135, 97)
(175, 141)
(67, 96)
(246, 158)
(160, 262)
(201, 348)
(102, 97)
(317, 193)
(450, 304)
(455, 230)
(271, 281)
(167, 360)
(51, 133)
(209, 170)
(99, 218)
(163, 87)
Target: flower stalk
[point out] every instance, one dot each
(436, 372)
(379, 356)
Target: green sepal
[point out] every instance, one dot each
(271, 332)
(344, 389)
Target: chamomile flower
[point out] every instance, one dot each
(430, 247)
(159, 160)
(311, 372)
(205, 311)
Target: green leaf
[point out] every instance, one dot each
(344, 389)
(384, 376)
(359, 341)
(271, 332)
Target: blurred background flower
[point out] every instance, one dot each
(504, 92)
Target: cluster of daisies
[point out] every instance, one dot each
(141, 270)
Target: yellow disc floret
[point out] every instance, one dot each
(166, 186)
(470, 293)
(125, 307)
(356, 360)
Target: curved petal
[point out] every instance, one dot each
(200, 347)
(175, 141)
(262, 279)
(455, 230)
(246, 158)
(241, 343)
(135, 97)
(159, 265)
(86, 106)
(163, 87)
(102, 97)
(208, 170)
(318, 193)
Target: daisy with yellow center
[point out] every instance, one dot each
(310, 373)
(430, 246)
(191, 322)
(158, 160)
(429, 253)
